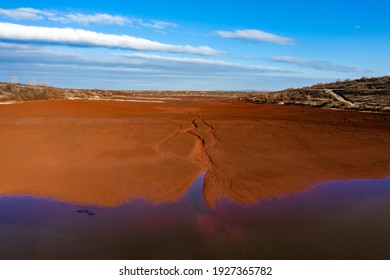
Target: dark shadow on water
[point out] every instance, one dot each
(335, 220)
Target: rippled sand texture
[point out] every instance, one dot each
(107, 153)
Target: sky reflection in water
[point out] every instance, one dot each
(334, 220)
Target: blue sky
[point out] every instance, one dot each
(193, 45)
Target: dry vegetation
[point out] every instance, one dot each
(369, 92)
(365, 94)
(23, 92)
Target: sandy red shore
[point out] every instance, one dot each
(107, 153)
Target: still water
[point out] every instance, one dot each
(334, 220)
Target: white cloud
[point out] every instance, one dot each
(70, 67)
(256, 36)
(97, 19)
(157, 24)
(107, 19)
(81, 37)
(83, 19)
(142, 61)
(204, 62)
(25, 14)
(12, 46)
(317, 64)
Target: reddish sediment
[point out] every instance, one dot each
(107, 153)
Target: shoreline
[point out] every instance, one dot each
(111, 152)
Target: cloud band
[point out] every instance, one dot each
(81, 37)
